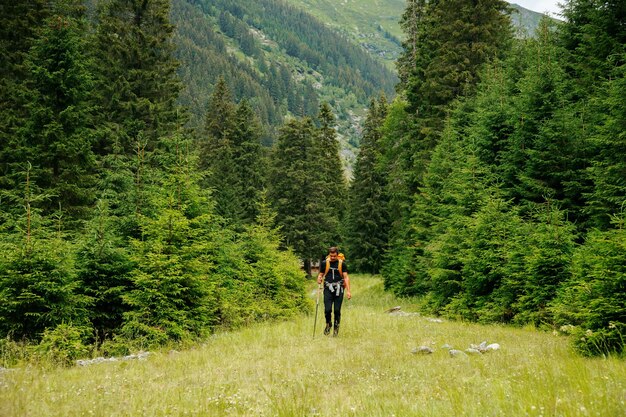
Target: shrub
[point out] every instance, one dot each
(64, 344)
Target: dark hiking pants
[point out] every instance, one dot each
(331, 299)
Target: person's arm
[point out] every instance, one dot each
(346, 285)
(320, 276)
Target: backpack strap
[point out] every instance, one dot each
(338, 267)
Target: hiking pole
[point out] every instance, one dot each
(317, 304)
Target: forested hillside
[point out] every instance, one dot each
(284, 61)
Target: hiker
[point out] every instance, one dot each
(334, 274)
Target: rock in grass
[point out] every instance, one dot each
(473, 351)
(456, 353)
(483, 347)
(422, 350)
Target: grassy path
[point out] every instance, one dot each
(369, 370)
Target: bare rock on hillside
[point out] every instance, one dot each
(456, 353)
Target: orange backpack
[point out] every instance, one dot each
(341, 258)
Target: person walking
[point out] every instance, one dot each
(334, 275)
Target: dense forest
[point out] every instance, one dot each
(144, 202)
(122, 227)
(501, 167)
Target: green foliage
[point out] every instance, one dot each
(231, 156)
(594, 298)
(54, 132)
(103, 266)
(172, 298)
(502, 197)
(12, 352)
(367, 223)
(595, 36)
(332, 186)
(63, 344)
(38, 289)
(295, 187)
(608, 140)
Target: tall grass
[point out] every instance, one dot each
(280, 370)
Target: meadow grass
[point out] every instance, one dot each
(279, 369)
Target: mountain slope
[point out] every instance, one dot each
(286, 61)
(281, 58)
(374, 24)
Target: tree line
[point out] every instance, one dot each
(122, 228)
(500, 170)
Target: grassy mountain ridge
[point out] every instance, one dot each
(278, 369)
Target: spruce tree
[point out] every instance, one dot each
(249, 161)
(57, 136)
(592, 303)
(594, 33)
(19, 22)
(608, 169)
(295, 190)
(217, 151)
(137, 74)
(367, 221)
(331, 189)
(138, 86)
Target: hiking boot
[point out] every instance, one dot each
(327, 329)
(336, 330)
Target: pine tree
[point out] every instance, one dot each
(295, 190)
(448, 43)
(57, 136)
(332, 187)
(138, 85)
(249, 161)
(592, 302)
(38, 285)
(19, 22)
(595, 35)
(608, 168)
(137, 74)
(367, 221)
(217, 152)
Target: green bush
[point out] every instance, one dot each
(63, 344)
(12, 352)
(594, 299)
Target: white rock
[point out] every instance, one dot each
(422, 350)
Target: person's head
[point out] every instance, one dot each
(333, 253)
